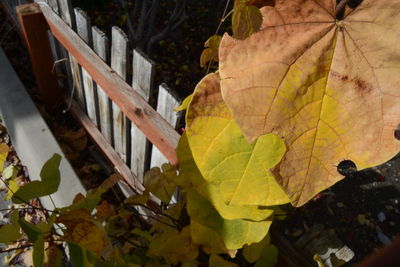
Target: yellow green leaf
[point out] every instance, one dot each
(254, 252)
(234, 233)
(210, 51)
(84, 231)
(12, 188)
(174, 246)
(160, 183)
(3, 154)
(9, 233)
(191, 178)
(328, 86)
(269, 257)
(217, 261)
(38, 252)
(185, 103)
(240, 170)
(10, 172)
(210, 241)
(50, 180)
(246, 19)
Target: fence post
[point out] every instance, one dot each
(34, 30)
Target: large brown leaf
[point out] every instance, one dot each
(329, 88)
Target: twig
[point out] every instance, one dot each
(341, 5)
(12, 249)
(24, 201)
(223, 16)
(30, 207)
(221, 21)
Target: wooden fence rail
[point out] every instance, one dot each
(116, 114)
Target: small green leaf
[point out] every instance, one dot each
(9, 172)
(9, 233)
(234, 233)
(161, 182)
(30, 230)
(269, 257)
(245, 20)
(78, 256)
(3, 154)
(50, 172)
(50, 176)
(254, 252)
(38, 252)
(174, 246)
(185, 103)
(12, 188)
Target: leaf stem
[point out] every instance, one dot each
(340, 6)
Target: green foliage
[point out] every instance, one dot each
(38, 252)
(50, 180)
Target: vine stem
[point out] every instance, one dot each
(341, 5)
(223, 18)
(24, 201)
(12, 249)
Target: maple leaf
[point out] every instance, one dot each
(329, 87)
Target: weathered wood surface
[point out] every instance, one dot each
(157, 130)
(119, 60)
(34, 30)
(165, 107)
(142, 79)
(84, 30)
(67, 15)
(105, 147)
(101, 47)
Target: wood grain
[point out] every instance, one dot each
(156, 129)
(101, 47)
(84, 30)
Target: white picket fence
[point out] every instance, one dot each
(127, 140)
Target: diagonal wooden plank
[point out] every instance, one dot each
(156, 129)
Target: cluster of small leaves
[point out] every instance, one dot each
(138, 232)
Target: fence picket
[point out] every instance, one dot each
(65, 11)
(119, 60)
(84, 30)
(101, 47)
(142, 78)
(54, 5)
(165, 105)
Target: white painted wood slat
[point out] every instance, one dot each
(142, 78)
(165, 105)
(84, 30)
(67, 15)
(119, 60)
(101, 47)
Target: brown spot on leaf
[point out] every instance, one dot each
(362, 86)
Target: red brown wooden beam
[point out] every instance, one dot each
(156, 129)
(34, 31)
(105, 147)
